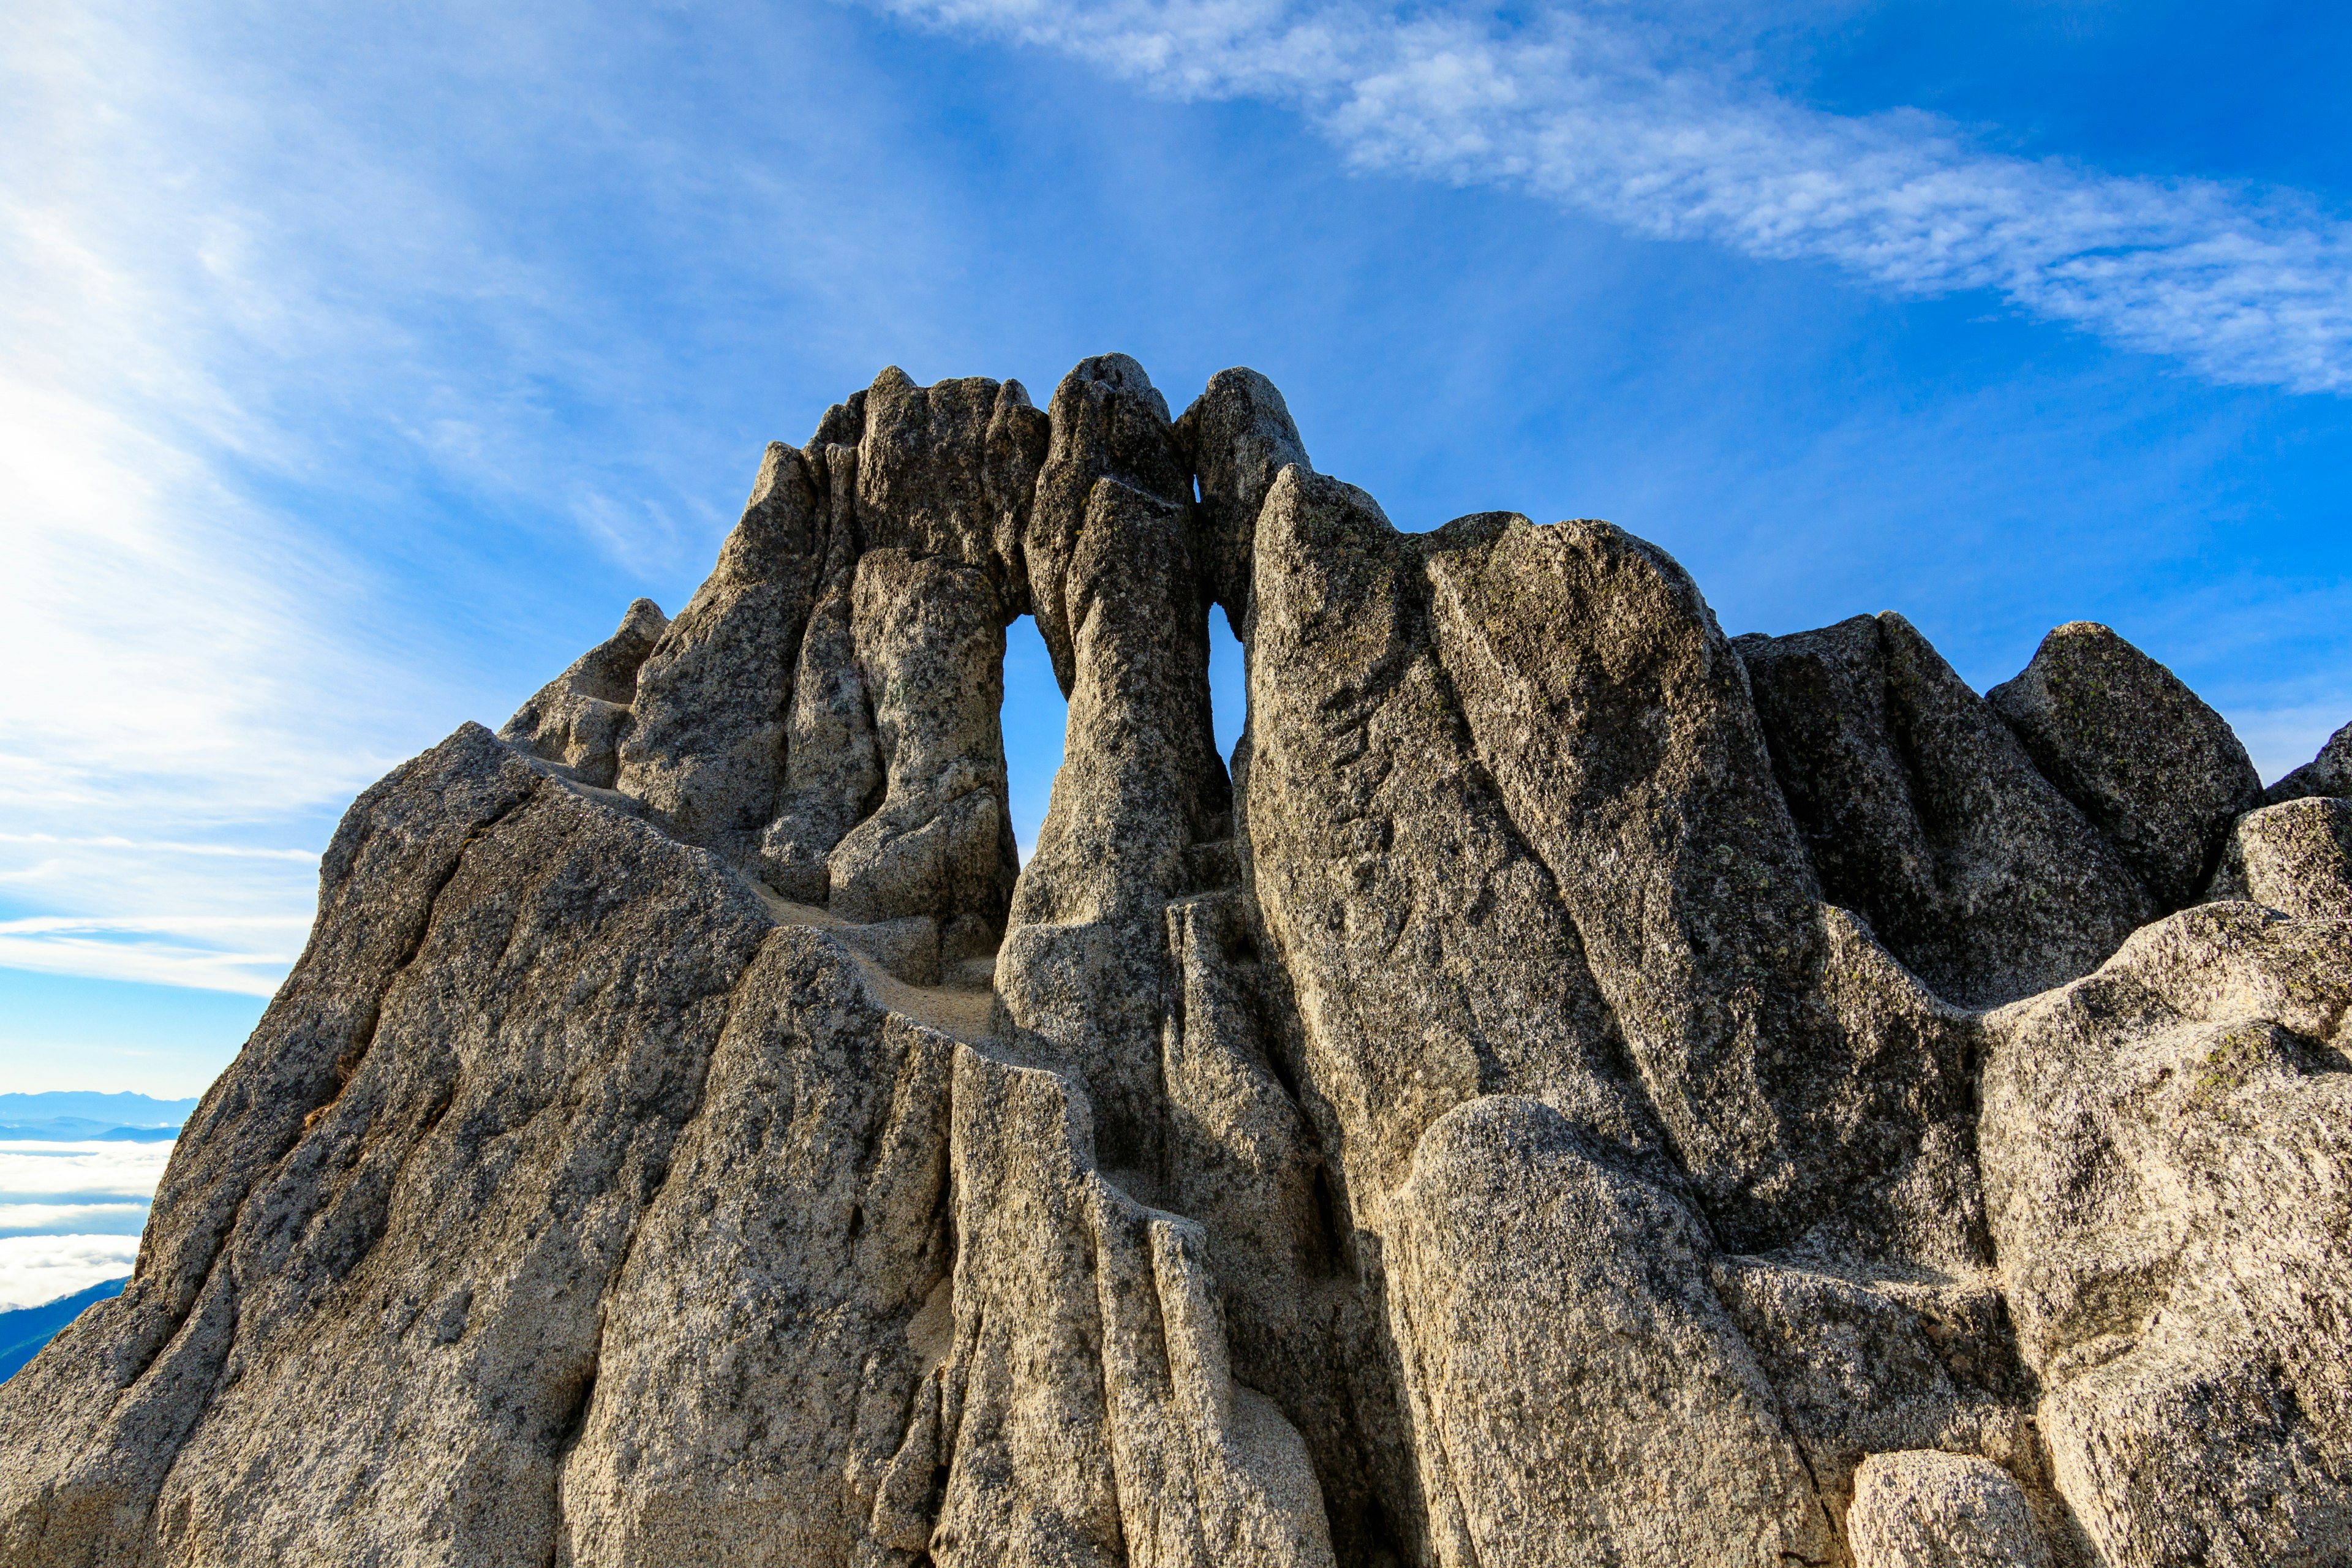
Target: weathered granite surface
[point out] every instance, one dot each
(1933, 1509)
(1926, 815)
(2159, 772)
(2296, 857)
(1572, 1088)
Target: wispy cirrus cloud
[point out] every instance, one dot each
(178, 694)
(1664, 136)
(248, 954)
(201, 674)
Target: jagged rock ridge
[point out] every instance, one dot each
(1581, 1090)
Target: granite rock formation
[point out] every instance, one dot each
(1576, 1088)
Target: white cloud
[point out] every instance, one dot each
(37, 1268)
(144, 950)
(1583, 107)
(33, 1172)
(183, 656)
(97, 1193)
(48, 1219)
(164, 847)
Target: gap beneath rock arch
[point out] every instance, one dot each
(1228, 688)
(1036, 717)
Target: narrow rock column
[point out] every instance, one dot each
(833, 766)
(1238, 437)
(707, 753)
(931, 643)
(1107, 418)
(1080, 976)
(1082, 966)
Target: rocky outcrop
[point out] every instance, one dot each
(2296, 857)
(1926, 817)
(498, 1029)
(2166, 1145)
(1540, 1107)
(705, 748)
(577, 720)
(2159, 772)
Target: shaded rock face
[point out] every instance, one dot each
(1537, 1106)
(1925, 815)
(2159, 772)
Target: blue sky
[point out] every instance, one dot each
(359, 365)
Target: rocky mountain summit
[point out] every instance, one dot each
(1576, 1088)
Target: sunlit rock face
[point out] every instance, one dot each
(1573, 1088)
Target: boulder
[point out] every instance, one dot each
(2160, 773)
(1930, 1509)
(1431, 956)
(1866, 1361)
(1582, 1395)
(1923, 813)
(2296, 857)
(799, 1244)
(495, 1035)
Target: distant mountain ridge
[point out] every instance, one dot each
(24, 1331)
(80, 1116)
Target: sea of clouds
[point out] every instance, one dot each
(72, 1208)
